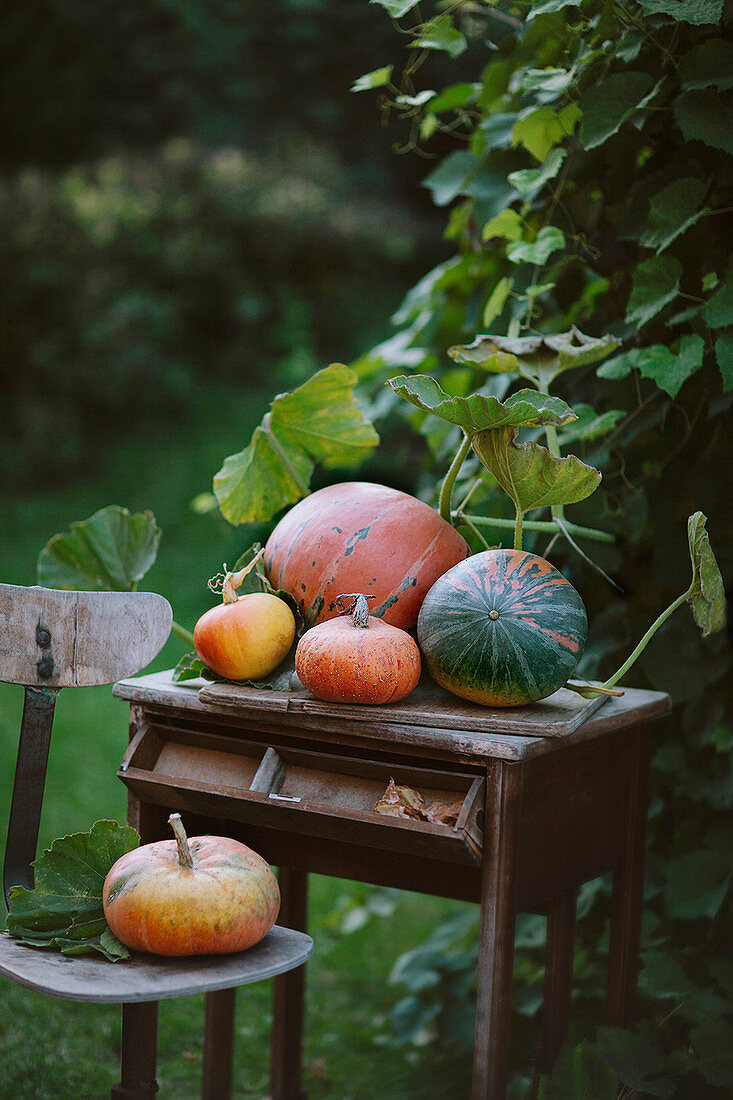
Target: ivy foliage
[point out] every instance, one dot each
(582, 157)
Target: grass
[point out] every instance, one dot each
(60, 1050)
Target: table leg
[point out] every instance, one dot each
(628, 886)
(216, 1078)
(288, 1001)
(496, 935)
(139, 1052)
(559, 956)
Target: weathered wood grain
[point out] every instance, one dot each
(50, 638)
(149, 977)
(264, 709)
(427, 705)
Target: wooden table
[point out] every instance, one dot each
(547, 797)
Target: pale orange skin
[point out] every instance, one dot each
(342, 663)
(245, 640)
(228, 901)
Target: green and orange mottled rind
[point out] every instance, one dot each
(228, 901)
(361, 537)
(526, 652)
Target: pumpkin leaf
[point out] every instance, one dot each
(707, 593)
(191, 667)
(108, 552)
(319, 421)
(479, 413)
(538, 358)
(64, 909)
(530, 475)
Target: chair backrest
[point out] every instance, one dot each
(51, 639)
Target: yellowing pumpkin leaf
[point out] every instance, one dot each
(530, 475)
(319, 421)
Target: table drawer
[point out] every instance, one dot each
(312, 792)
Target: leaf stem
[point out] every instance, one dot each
(182, 633)
(446, 489)
(518, 530)
(631, 659)
(549, 526)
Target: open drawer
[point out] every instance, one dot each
(303, 791)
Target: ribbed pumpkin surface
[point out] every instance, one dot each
(503, 628)
(360, 537)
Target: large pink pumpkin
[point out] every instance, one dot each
(361, 537)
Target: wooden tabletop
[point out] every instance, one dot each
(429, 718)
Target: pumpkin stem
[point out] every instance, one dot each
(230, 581)
(359, 608)
(184, 852)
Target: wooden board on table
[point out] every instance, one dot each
(428, 705)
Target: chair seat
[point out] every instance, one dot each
(150, 977)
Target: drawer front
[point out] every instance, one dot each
(310, 792)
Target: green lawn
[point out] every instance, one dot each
(58, 1050)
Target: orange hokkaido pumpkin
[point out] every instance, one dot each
(209, 895)
(358, 659)
(361, 537)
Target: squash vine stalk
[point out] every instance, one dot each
(446, 489)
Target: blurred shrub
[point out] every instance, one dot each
(79, 80)
(129, 283)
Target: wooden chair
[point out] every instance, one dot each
(48, 640)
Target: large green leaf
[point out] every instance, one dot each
(699, 12)
(540, 129)
(672, 211)
(706, 115)
(711, 1042)
(319, 421)
(718, 310)
(548, 240)
(655, 283)
(396, 8)
(709, 64)
(451, 176)
(480, 413)
(609, 103)
(528, 181)
(441, 34)
(669, 369)
(110, 551)
(636, 1062)
(724, 356)
(530, 475)
(538, 358)
(64, 909)
(707, 598)
(579, 1074)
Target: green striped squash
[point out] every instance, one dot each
(502, 628)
